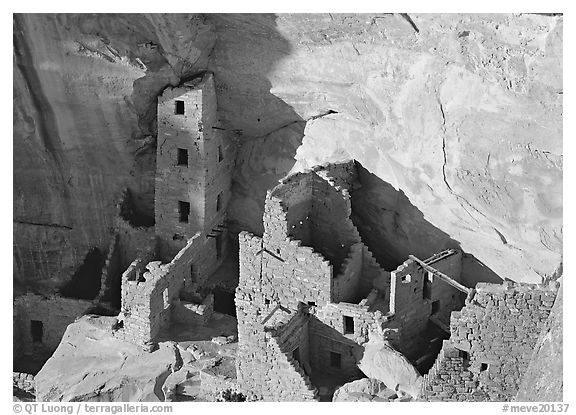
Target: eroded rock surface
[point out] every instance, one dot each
(463, 116)
(92, 365)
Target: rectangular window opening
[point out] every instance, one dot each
(335, 360)
(311, 304)
(179, 107)
(220, 155)
(36, 330)
(483, 367)
(435, 306)
(348, 325)
(183, 211)
(182, 157)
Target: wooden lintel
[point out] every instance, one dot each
(441, 275)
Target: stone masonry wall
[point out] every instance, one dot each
(149, 291)
(205, 181)
(411, 311)
(495, 334)
(294, 273)
(345, 285)
(294, 335)
(263, 368)
(449, 298)
(175, 182)
(358, 272)
(344, 175)
(332, 230)
(55, 313)
(23, 381)
(411, 307)
(372, 273)
(294, 199)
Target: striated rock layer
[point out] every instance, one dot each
(462, 117)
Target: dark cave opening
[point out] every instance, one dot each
(131, 211)
(85, 283)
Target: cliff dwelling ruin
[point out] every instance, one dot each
(322, 301)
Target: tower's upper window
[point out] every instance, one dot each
(182, 157)
(179, 107)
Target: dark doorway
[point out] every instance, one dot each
(183, 157)
(183, 211)
(224, 302)
(348, 325)
(36, 330)
(179, 107)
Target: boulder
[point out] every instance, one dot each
(384, 363)
(363, 390)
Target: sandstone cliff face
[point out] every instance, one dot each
(463, 116)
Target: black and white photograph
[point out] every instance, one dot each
(287, 207)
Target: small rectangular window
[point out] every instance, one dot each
(311, 304)
(182, 157)
(335, 360)
(348, 325)
(220, 155)
(483, 367)
(183, 211)
(179, 107)
(36, 330)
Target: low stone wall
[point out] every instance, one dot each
(24, 381)
(53, 313)
(495, 334)
(148, 292)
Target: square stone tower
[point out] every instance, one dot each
(193, 171)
